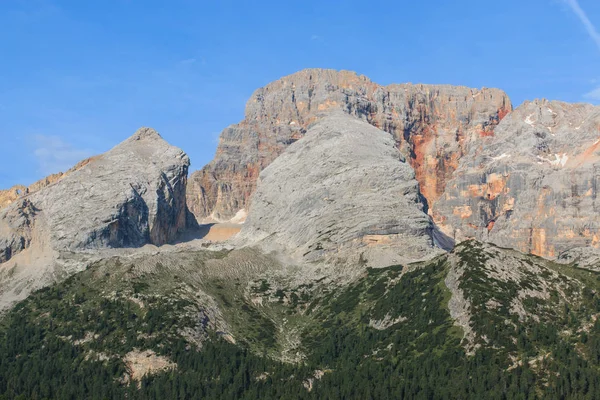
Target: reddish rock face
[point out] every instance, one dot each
(533, 185)
(433, 125)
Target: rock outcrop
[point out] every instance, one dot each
(434, 125)
(130, 196)
(9, 196)
(532, 186)
(344, 194)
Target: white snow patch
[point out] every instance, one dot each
(559, 159)
(550, 111)
(562, 159)
(529, 121)
(501, 156)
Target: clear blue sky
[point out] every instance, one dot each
(77, 77)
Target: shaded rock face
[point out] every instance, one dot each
(329, 198)
(15, 229)
(533, 185)
(434, 125)
(130, 196)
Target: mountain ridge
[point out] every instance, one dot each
(426, 121)
(344, 281)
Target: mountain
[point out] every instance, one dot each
(325, 198)
(401, 241)
(130, 196)
(479, 322)
(524, 179)
(532, 185)
(432, 124)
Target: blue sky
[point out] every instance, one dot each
(77, 77)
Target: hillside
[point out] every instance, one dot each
(479, 322)
(359, 241)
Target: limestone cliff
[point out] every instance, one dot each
(132, 195)
(433, 125)
(327, 197)
(533, 185)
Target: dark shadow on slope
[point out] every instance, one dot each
(441, 240)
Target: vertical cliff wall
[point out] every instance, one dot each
(434, 125)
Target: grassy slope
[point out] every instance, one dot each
(389, 333)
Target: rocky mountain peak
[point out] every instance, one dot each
(327, 198)
(145, 133)
(433, 125)
(130, 196)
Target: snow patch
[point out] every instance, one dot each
(559, 159)
(529, 121)
(501, 156)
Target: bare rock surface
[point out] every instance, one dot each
(342, 193)
(582, 257)
(9, 196)
(128, 197)
(433, 125)
(533, 185)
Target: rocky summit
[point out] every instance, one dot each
(341, 193)
(129, 196)
(132, 195)
(433, 125)
(357, 241)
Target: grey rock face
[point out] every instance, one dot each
(583, 257)
(533, 185)
(130, 196)
(15, 232)
(341, 193)
(433, 126)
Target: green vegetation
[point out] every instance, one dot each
(387, 335)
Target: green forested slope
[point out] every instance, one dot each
(391, 333)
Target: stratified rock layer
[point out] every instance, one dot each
(433, 125)
(9, 196)
(130, 196)
(342, 193)
(533, 186)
